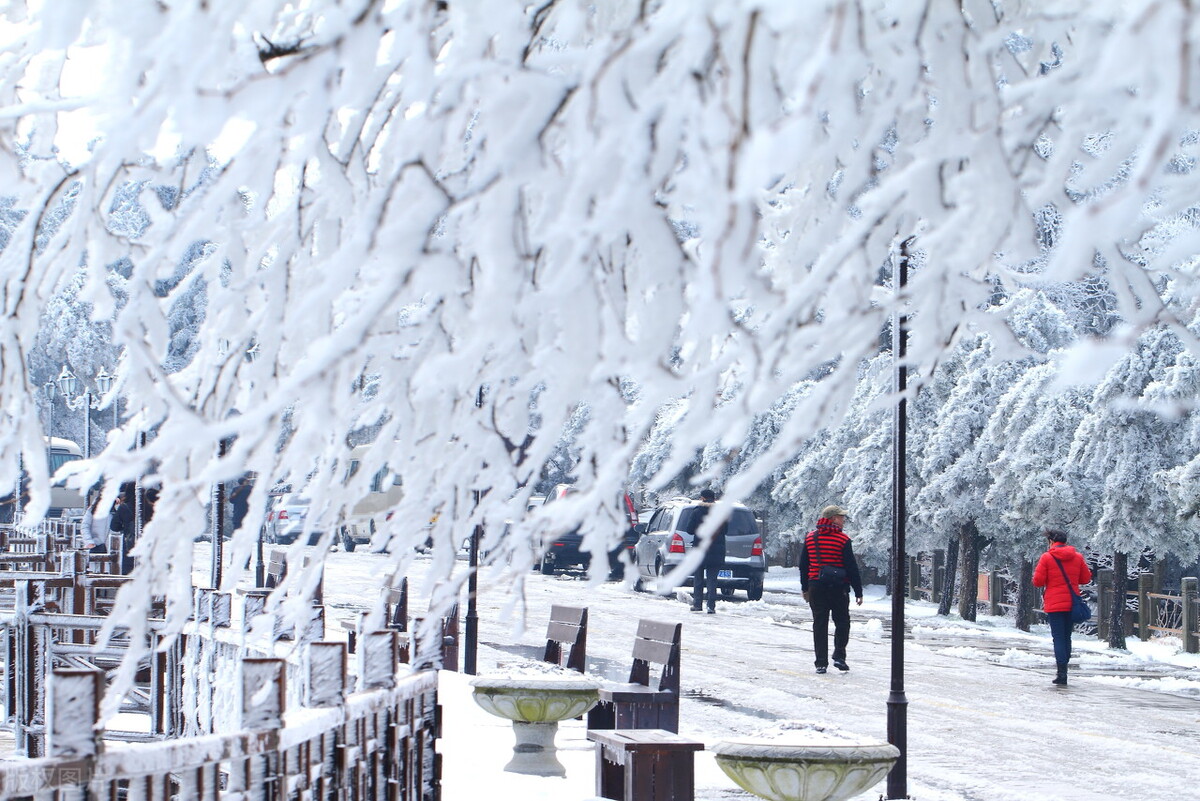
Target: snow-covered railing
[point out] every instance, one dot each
(58, 531)
(380, 740)
(1165, 613)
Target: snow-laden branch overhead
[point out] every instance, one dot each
(614, 206)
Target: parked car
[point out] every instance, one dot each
(565, 551)
(373, 509)
(286, 518)
(671, 533)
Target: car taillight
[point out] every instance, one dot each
(677, 543)
(283, 514)
(756, 548)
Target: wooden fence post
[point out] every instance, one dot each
(221, 612)
(325, 675)
(1188, 589)
(377, 660)
(263, 693)
(914, 578)
(1104, 583)
(201, 604)
(73, 707)
(938, 576)
(995, 593)
(264, 696)
(1146, 606)
(314, 631)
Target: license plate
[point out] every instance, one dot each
(724, 574)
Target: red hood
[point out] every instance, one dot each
(1064, 552)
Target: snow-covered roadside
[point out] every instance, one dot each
(982, 687)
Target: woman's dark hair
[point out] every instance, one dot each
(1054, 535)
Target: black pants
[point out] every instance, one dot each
(825, 601)
(704, 583)
(1060, 631)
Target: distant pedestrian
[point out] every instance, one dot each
(704, 581)
(828, 571)
(1060, 571)
(91, 533)
(122, 520)
(239, 501)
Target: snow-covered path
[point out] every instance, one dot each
(984, 724)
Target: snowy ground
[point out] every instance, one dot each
(984, 723)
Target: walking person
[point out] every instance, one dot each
(1060, 571)
(704, 580)
(828, 571)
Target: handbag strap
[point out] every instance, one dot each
(1070, 589)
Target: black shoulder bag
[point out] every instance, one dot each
(830, 576)
(1080, 611)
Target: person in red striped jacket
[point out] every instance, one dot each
(828, 571)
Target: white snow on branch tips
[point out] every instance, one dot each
(451, 236)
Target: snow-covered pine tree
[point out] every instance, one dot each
(1119, 448)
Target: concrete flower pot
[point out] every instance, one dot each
(783, 771)
(535, 706)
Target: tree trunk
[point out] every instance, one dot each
(968, 597)
(948, 573)
(1025, 595)
(1116, 620)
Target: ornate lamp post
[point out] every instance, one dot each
(67, 385)
(48, 388)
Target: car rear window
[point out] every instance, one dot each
(689, 518)
(741, 523)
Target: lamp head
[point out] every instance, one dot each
(67, 383)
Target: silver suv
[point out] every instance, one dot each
(671, 532)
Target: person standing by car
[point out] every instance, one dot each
(1061, 582)
(828, 571)
(704, 581)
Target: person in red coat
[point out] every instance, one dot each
(1059, 594)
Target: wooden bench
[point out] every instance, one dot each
(277, 571)
(566, 637)
(644, 765)
(395, 616)
(642, 703)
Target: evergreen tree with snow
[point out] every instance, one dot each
(1120, 447)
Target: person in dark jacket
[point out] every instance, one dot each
(122, 520)
(704, 581)
(1061, 585)
(828, 571)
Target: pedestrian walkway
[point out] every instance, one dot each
(979, 728)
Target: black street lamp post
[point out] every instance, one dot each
(471, 650)
(897, 703)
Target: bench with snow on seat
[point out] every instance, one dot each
(650, 700)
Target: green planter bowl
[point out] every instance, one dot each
(540, 700)
(786, 771)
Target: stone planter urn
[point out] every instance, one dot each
(796, 771)
(535, 705)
